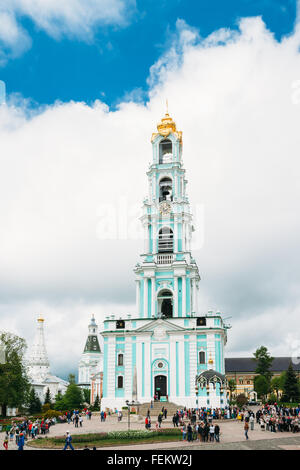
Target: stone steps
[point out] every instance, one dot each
(157, 407)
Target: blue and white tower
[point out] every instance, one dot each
(168, 347)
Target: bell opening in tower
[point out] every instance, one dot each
(165, 304)
(165, 240)
(165, 151)
(165, 190)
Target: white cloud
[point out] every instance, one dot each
(70, 18)
(236, 102)
(14, 40)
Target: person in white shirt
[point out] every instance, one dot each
(211, 433)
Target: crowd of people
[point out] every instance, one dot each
(20, 432)
(195, 424)
(276, 418)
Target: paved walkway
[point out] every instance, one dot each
(232, 436)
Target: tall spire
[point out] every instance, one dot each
(38, 365)
(92, 343)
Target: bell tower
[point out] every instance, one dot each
(91, 361)
(167, 278)
(161, 351)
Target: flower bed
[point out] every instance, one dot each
(110, 438)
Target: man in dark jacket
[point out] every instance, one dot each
(68, 441)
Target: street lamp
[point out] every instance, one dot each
(196, 391)
(129, 404)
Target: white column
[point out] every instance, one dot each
(175, 300)
(153, 296)
(196, 299)
(137, 296)
(192, 294)
(139, 368)
(183, 296)
(181, 366)
(147, 370)
(145, 297)
(175, 235)
(183, 235)
(111, 367)
(146, 244)
(128, 368)
(188, 235)
(172, 363)
(154, 227)
(193, 364)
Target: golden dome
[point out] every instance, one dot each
(165, 127)
(210, 360)
(40, 319)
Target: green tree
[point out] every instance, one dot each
(261, 386)
(96, 404)
(73, 398)
(276, 385)
(14, 383)
(34, 403)
(232, 387)
(241, 400)
(47, 397)
(86, 394)
(263, 362)
(59, 404)
(290, 386)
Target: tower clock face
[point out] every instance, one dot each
(165, 208)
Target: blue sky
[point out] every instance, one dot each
(116, 60)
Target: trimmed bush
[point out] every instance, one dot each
(118, 435)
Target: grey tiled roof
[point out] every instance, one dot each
(247, 364)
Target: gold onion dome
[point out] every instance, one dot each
(167, 126)
(40, 319)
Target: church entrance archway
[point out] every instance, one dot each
(160, 385)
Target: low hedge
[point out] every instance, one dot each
(117, 435)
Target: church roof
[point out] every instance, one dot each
(92, 345)
(210, 373)
(54, 379)
(247, 364)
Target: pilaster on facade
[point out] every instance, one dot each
(128, 380)
(111, 366)
(193, 362)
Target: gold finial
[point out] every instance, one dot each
(167, 107)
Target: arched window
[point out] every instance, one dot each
(120, 381)
(165, 151)
(201, 357)
(165, 303)
(165, 189)
(120, 360)
(165, 240)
